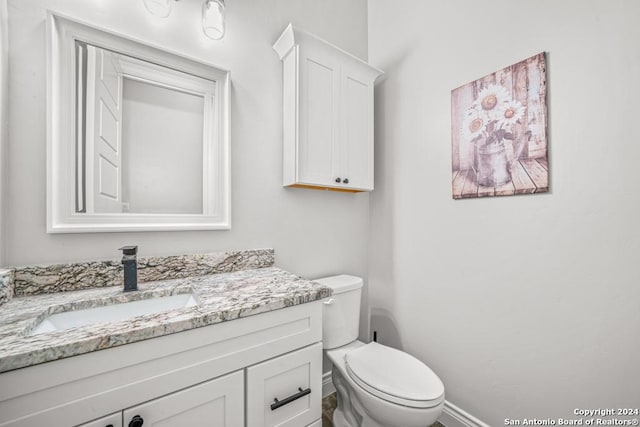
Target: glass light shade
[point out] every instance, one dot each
(213, 19)
(160, 8)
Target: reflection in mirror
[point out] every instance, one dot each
(138, 137)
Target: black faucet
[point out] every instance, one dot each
(130, 264)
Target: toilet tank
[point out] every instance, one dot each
(341, 311)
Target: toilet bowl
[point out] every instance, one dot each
(377, 386)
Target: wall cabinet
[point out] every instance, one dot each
(216, 374)
(327, 114)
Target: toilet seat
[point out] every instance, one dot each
(394, 376)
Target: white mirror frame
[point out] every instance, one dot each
(61, 142)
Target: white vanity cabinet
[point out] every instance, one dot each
(212, 375)
(219, 402)
(327, 114)
(280, 391)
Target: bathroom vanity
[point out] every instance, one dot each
(249, 353)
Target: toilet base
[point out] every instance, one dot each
(343, 416)
(339, 420)
(349, 411)
(357, 408)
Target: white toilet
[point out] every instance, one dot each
(377, 386)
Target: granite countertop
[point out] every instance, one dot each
(221, 297)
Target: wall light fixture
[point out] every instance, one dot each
(212, 15)
(160, 8)
(213, 19)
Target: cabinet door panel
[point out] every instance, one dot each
(216, 403)
(113, 420)
(357, 131)
(318, 117)
(282, 378)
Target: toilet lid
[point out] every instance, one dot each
(394, 375)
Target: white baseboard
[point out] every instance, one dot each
(327, 385)
(452, 416)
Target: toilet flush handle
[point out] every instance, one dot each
(328, 302)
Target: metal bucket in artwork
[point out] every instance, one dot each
(493, 170)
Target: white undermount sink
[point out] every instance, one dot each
(113, 312)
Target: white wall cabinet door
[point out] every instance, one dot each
(286, 391)
(113, 420)
(327, 114)
(215, 403)
(319, 93)
(356, 155)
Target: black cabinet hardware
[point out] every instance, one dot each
(136, 421)
(345, 181)
(338, 180)
(278, 403)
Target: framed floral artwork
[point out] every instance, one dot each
(499, 132)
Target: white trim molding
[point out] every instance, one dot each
(62, 215)
(453, 416)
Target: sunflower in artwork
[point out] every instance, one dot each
(492, 116)
(490, 99)
(474, 124)
(509, 113)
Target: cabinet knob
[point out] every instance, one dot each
(345, 181)
(338, 180)
(136, 421)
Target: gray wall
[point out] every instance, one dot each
(525, 305)
(314, 233)
(4, 128)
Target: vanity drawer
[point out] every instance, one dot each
(295, 380)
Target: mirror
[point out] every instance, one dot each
(141, 132)
(137, 137)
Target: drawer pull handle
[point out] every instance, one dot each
(328, 302)
(278, 403)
